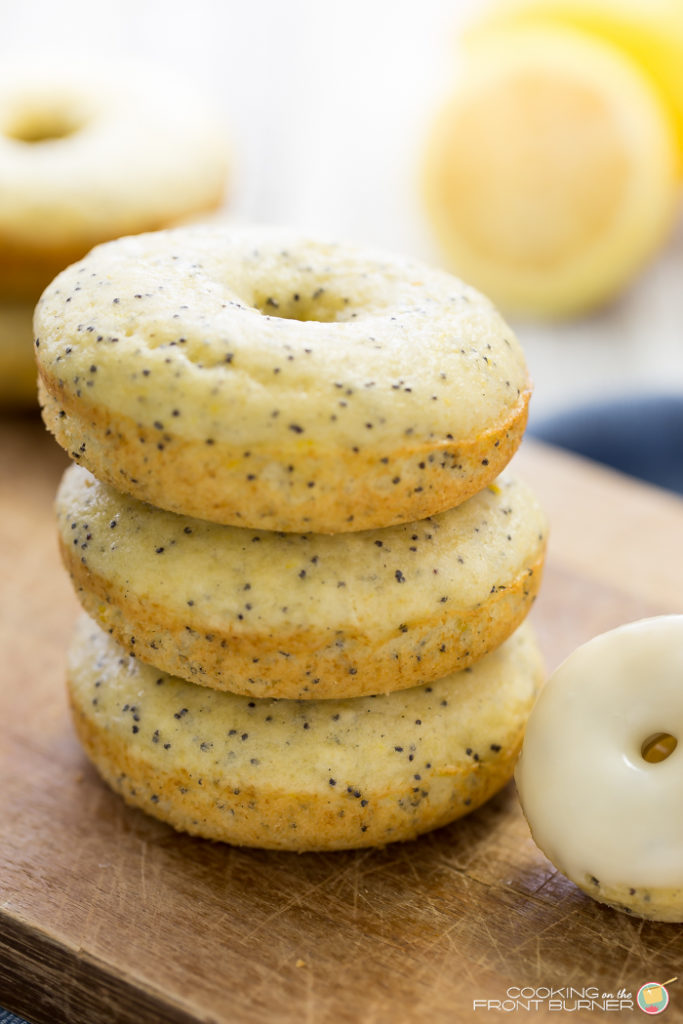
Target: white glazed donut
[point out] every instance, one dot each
(88, 153)
(606, 816)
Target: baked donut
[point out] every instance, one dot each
(303, 615)
(599, 806)
(255, 378)
(89, 153)
(17, 362)
(301, 775)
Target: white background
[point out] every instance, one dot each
(327, 105)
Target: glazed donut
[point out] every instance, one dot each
(255, 378)
(301, 775)
(303, 615)
(602, 811)
(88, 153)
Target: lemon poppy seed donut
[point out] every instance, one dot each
(301, 775)
(256, 378)
(91, 152)
(303, 615)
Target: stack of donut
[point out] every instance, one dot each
(88, 153)
(304, 575)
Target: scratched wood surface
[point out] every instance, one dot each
(107, 917)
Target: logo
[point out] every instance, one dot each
(653, 997)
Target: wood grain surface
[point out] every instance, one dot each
(108, 917)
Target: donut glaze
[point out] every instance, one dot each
(604, 815)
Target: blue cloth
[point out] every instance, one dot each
(9, 1018)
(639, 435)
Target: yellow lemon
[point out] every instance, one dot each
(650, 32)
(550, 174)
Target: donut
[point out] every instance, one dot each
(256, 378)
(301, 775)
(17, 362)
(602, 809)
(303, 615)
(88, 153)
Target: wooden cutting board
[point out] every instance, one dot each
(108, 917)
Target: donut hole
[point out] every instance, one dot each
(321, 306)
(658, 747)
(34, 124)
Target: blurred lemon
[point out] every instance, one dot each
(650, 32)
(550, 175)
